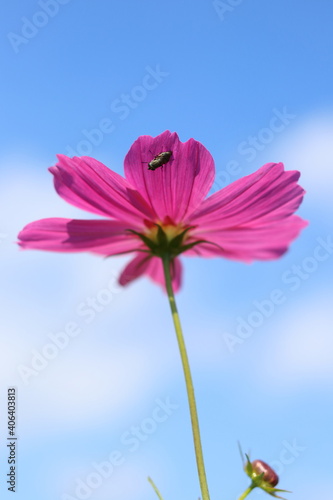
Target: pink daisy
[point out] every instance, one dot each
(165, 210)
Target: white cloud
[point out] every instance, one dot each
(301, 351)
(75, 390)
(308, 147)
(126, 481)
(28, 194)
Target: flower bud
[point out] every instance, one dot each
(268, 474)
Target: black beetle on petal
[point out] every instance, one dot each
(159, 160)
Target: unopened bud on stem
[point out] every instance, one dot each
(260, 468)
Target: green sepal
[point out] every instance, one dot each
(248, 467)
(177, 240)
(162, 237)
(126, 252)
(147, 241)
(271, 491)
(189, 246)
(163, 246)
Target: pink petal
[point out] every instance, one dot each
(90, 185)
(250, 243)
(266, 195)
(145, 264)
(66, 235)
(135, 268)
(178, 187)
(252, 218)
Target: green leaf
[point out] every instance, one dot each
(155, 488)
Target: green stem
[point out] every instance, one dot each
(188, 381)
(247, 491)
(155, 488)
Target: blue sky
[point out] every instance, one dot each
(252, 81)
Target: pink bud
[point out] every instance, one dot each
(269, 475)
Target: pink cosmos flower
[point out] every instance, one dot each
(151, 212)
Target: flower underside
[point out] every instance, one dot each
(165, 212)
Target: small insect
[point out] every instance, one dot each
(159, 160)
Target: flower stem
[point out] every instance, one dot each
(188, 381)
(247, 491)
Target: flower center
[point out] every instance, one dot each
(170, 231)
(166, 238)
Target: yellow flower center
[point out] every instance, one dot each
(170, 231)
